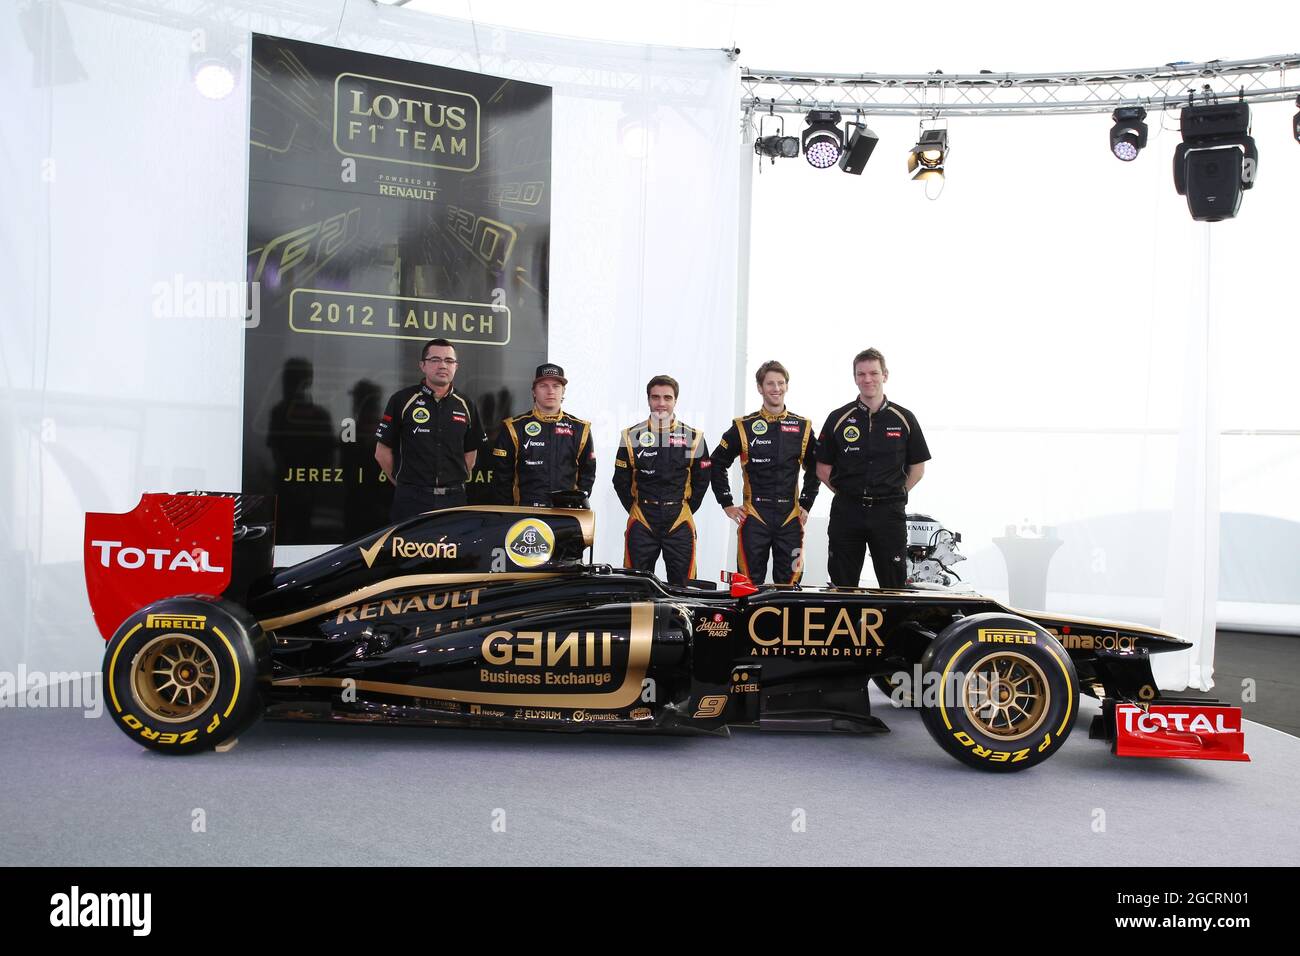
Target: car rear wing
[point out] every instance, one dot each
(196, 542)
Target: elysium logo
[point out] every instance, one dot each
(74, 909)
(405, 123)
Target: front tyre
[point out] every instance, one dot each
(186, 673)
(1005, 693)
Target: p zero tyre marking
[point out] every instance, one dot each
(234, 661)
(112, 667)
(943, 682)
(1069, 695)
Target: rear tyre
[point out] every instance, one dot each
(186, 673)
(1005, 692)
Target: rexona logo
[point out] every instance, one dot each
(424, 549)
(402, 548)
(159, 559)
(530, 542)
(1002, 635)
(74, 908)
(405, 123)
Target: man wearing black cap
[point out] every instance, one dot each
(543, 450)
(432, 434)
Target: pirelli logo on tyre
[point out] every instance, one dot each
(177, 622)
(1006, 635)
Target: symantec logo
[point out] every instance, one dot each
(77, 909)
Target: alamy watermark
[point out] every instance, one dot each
(77, 690)
(181, 298)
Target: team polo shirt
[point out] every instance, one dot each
(431, 436)
(869, 454)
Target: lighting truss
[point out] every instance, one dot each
(1167, 87)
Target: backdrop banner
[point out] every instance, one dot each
(389, 203)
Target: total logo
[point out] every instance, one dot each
(1153, 722)
(159, 559)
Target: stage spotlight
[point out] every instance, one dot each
(930, 153)
(214, 65)
(823, 141)
(858, 149)
(775, 145)
(214, 80)
(785, 147)
(1129, 134)
(1216, 160)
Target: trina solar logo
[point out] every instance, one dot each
(530, 542)
(406, 123)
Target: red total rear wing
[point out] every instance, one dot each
(169, 544)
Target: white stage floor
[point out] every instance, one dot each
(78, 792)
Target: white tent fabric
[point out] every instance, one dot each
(122, 177)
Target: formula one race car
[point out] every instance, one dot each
(489, 617)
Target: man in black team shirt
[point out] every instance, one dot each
(870, 454)
(543, 450)
(774, 445)
(661, 476)
(432, 434)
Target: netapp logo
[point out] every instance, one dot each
(76, 909)
(405, 123)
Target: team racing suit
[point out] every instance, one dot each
(773, 449)
(661, 476)
(538, 454)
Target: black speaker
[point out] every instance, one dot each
(858, 149)
(1213, 183)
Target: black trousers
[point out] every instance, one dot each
(411, 500)
(774, 531)
(856, 526)
(642, 546)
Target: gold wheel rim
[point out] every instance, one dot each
(174, 678)
(1006, 695)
